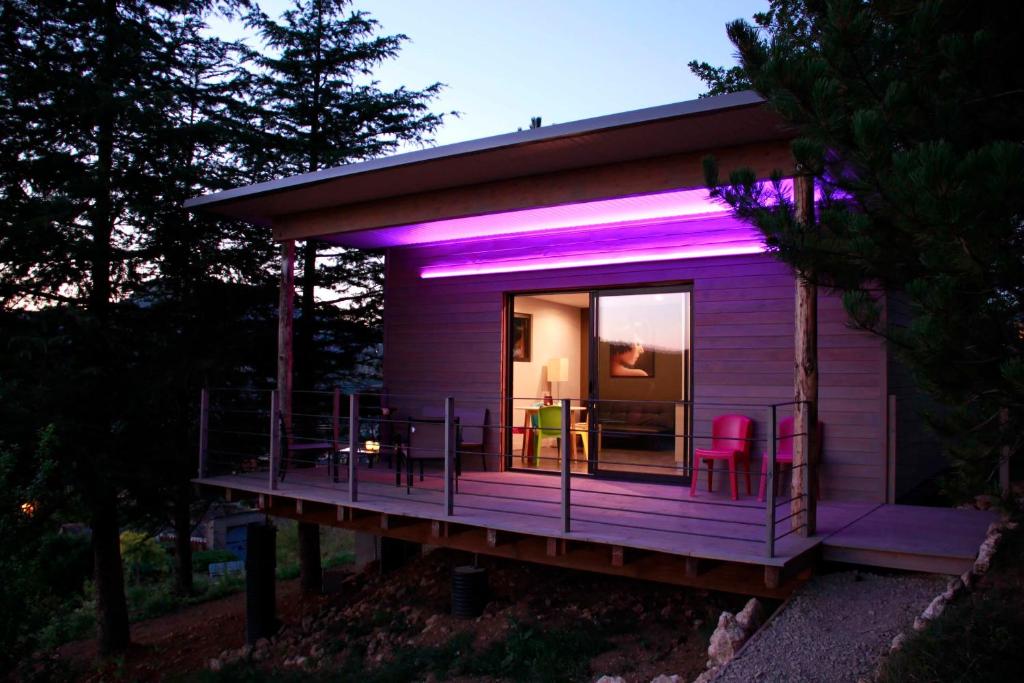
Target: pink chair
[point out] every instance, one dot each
(783, 453)
(731, 436)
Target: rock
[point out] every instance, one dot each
(967, 578)
(985, 553)
(610, 679)
(316, 651)
(935, 608)
(898, 642)
(726, 639)
(215, 665)
(665, 678)
(262, 644)
(920, 624)
(707, 675)
(751, 616)
(953, 588)
(301, 661)
(984, 501)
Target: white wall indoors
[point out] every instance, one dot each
(555, 333)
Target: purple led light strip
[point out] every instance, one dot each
(733, 249)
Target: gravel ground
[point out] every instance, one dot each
(835, 629)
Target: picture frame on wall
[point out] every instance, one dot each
(522, 337)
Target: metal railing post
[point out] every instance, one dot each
(449, 455)
(332, 462)
(353, 446)
(204, 430)
(770, 484)
(566, 445)
(275, 439)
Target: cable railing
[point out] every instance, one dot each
(364, 438)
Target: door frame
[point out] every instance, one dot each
(508, 313)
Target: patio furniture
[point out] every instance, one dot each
(530, 422)
(426, 441)
(783, 453)
(291, 446)
(474, 422)
(548, 424)
(731, 436)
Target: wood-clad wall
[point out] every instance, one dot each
(443, 336)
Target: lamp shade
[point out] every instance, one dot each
(558, 370)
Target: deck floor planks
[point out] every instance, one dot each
(645, 516)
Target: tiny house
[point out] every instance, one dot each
(574, 288)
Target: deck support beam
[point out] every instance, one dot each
(805, 424)
(772, 577)
(260, 589)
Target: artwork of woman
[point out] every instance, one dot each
(623, 359)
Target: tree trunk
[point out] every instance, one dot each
(111, 609)
(183, 539)
(805, 381)
(310, 572)
(305, 342)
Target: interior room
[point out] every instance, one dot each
(622, 358)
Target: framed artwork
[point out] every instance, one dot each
(522, 337)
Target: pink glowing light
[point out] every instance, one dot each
(702, 251)
(692, 203)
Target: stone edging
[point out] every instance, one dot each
(956, 586)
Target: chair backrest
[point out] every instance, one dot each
(732, 433)
(473, 421)
(549, 420)
(786, 440)
(426, 439)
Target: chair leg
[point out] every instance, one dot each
(746, 469)
(732, 478)
(711, 475)
(694, 471)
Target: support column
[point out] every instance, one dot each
(260, 587)
(805, 384)
(285, 324)
(311, 574)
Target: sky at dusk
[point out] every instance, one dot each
(563, 60)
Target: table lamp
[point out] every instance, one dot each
(558, 371)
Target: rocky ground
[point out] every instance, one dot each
(541, 623)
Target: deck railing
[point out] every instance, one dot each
(243, 432)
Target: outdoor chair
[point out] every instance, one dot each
(548, 424)
(425, 441)
(474, 422)
(731, 437)
(784, 453)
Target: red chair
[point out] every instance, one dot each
(731, 436)
(783, 453)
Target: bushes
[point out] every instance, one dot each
(202, 560)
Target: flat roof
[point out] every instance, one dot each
(724, 120)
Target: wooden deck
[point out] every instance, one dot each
(654, 531)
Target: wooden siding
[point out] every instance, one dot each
(444, 337)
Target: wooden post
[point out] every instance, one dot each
(275, 439)
(1004, 454)
(805, 422)
(566, 447)
(772, 456)
(449, 455)
(332, 461)
(353, 447)
(204, 430)
(285, 325)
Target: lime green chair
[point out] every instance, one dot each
(548, 423)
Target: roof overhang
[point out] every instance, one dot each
(706, 124)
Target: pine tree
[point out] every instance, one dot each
(92, 104)
(323, 109)
(911, 121)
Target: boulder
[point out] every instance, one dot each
(726, 640)
(751, 616)
(665, 678)
(707, 676)
(610, 679)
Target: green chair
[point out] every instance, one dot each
(548, 423)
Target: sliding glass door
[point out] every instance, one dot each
(640, 381)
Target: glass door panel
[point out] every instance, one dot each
(640, 381)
